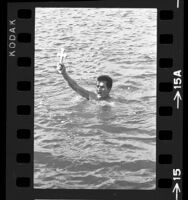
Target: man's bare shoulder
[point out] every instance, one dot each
(92, 96)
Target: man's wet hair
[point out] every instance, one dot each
(107, 79)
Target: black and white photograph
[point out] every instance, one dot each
(95, 94)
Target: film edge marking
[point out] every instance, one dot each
(176, 177)
(178, 3)
(177, 80)
(12, 37)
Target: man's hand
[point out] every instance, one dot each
(61, 68)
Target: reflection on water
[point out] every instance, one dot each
(81, 144)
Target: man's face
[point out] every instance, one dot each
(102, 90)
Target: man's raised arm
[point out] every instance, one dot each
(84, 93)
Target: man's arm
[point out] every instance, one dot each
(81, 91)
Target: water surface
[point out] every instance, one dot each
(80, 144)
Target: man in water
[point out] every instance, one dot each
(104, 85)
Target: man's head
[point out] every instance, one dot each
(104, 85)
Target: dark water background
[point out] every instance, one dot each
(80, 144)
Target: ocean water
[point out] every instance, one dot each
(80, 144)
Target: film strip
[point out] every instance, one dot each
(21, 108)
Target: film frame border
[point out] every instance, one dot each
(19, 135)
